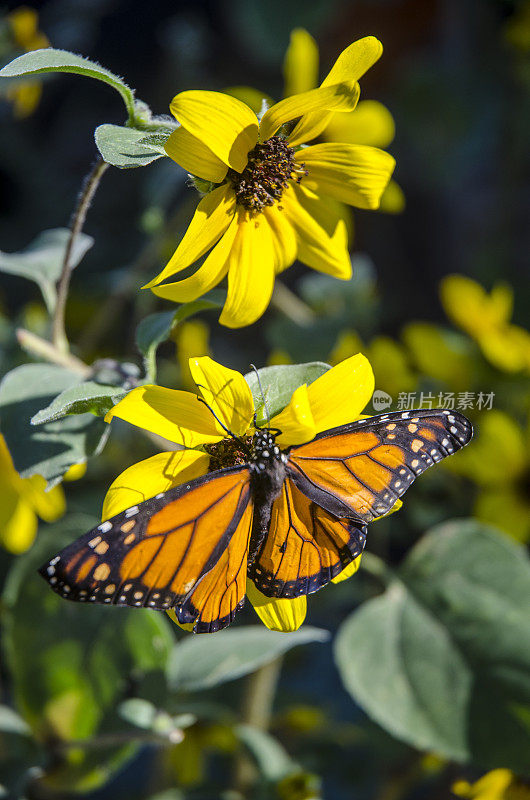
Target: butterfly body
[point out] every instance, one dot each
(290, 520)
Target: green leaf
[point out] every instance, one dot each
(81, 655)
(52, 448)
(86, 397)
(126, 147)
(50, 59)
(202, 662)
(138, 712)
(156, 328)
(11, 722)
(442, 658)
(273, 761)
(279, 383)
(42, 260)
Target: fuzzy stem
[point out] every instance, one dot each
(291, 305)
(43, 349)
(88, 190)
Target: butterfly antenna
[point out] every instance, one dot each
(263, 398)
(212, 412)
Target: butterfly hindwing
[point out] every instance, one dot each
(307, 546)
(359, 470)
(184, 549)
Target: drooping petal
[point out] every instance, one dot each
(371, 123)
(18, 525)
(48, 505)
(339, 97)
(283, 238)
(393, 199)
(332, 215)
(175, 415)
(194, 156)
(226, 392)
(296, 421)
(227, 126)
(250, 272)
(206, 277)
(278, 614)
(341, 393)
(348, 68)
(348, 571)
(316, 247)
(151, 476)
(354, 174)
(300, 65)
(210, 221)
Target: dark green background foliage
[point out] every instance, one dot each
(426, 651)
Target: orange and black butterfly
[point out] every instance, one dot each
(290, 520)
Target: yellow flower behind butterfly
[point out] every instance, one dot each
(269, 200)
(22, 25)
(333, 399)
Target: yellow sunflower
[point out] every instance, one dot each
(337, 397)
(23, 24)
(270, 200)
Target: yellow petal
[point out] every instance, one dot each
(348, 571)
(23, 22)
(283, 238)
(18, 527)
(332, 215)
(300, 66)
(75, 472)
(393, 199)
(226, 392)
(354, 174)
(48, 505)
(340, 97)
(192, 339)
(176, 416)
(250, 272)
(316, 247)
(186, 626)
(470, 307)
(371, 124)
(341, 393)
(506, 347)
(212, 271)
(225, 125)
(211, 220)
(150, 477)
(296, 421)
(253, 98)
(348, 68)
(278, 614)
(194, 156)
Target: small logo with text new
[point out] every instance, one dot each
(381, 400)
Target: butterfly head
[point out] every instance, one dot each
(265, 450)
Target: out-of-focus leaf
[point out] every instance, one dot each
(127, 147)
(88, 770)
(42, 260)
(202, 662)
(156, 328)
(70, 662)
(52, 60)
(87, 397)
(139, 712)
(273, 761)
(52, 448)
(11, 722)
(442, 658)
(278, 384)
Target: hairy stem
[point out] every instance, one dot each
(49, 352)
(256, 710)
(291, 305)
(88, 190)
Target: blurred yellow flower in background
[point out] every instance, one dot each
(499, 784)
(192, 339)
(337, 397)
(23, 26)
(22, 501)
(486, 318)
(270, 201)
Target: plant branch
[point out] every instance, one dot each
(43, 349)
(88, 190)
(291, 305)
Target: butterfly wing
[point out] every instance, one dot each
(184, 549)
(306, 546)
(359, 470)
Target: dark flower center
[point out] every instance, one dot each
(270, 167)
(227, 453)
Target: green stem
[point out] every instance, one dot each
(90, 184)
(256, 710)
(291, 305)
(43, 349)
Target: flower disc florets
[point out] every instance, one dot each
(270, 166)
(228, 453)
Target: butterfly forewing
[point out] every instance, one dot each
(359, 470)
(165, 552)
